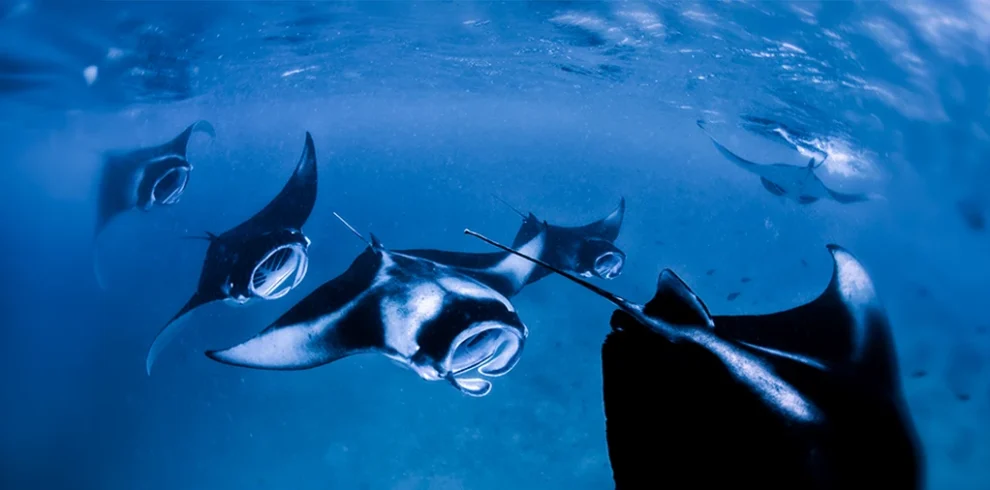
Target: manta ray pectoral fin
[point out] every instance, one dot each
(844, 326)
(732, 157)
(291, 207)
(614, 220)
(281, 349)
(675, 303)
(608, 227)
(296, 346)
(173, 328)
(178, 144)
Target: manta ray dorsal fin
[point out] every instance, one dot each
(844, 327)
(674, 303)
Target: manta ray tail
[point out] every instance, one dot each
(513, 208)
(373, 242)
(172, 329)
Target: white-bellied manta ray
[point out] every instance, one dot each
(437, 320)
(142, 179)
(806, 398)
(588, 250)
(264, 257)
(799, 184)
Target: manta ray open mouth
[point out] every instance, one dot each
(281, 270)
(491, 348)
(609, 265)
(169, 187)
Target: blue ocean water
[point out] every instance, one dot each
(420, 111)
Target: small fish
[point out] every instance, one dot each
(732, 296)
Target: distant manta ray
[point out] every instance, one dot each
(588, 250)
(142, 179)
(439, 321)
(805, 398)
(799, 184)
(264, 257)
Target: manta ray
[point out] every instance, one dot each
(440, 321)
(805, 398)
(264, 257)
(799, 184)
(143, 179)
(588, 250)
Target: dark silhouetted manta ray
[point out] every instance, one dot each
(799, 184)
(262, 258)
(439, 321)
(806, 398)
